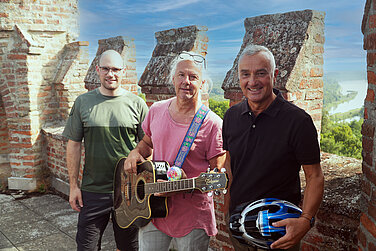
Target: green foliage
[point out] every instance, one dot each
(141, 95)
(219, 107)
(42, 188)
(349, 114)
(341, 138)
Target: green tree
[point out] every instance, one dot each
(341, 138)
(219, 107)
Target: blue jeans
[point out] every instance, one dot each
(150, 238)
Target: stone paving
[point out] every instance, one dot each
(38, 223)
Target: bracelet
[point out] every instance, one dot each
(311, 220)
(305, 217)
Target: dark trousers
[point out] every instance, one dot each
(93, 220)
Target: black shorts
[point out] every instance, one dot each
(93, 220)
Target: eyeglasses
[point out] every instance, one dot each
(198, 59)
(106, 70)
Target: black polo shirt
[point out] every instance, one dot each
(267, 151)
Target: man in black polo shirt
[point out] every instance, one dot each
(267, 140)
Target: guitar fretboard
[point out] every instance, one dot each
(169, 186)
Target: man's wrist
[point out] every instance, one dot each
(311, 219)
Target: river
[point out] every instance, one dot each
(351, 85)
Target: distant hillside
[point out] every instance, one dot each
(217, 92)
(343, 76)
(333, 95)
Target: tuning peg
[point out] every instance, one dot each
(210, 194)
(224, 191)
(223, 170)
(215, 170)
(216, 192)
(208, 170)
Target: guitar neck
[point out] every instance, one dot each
(170, 186)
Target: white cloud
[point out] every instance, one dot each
(226, 25)
(240, 40)
(151, 7)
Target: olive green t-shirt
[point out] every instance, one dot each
(111, 128)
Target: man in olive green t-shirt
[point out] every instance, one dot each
(109, 120)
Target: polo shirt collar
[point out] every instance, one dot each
(272, 109)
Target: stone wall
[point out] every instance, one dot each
(367, 229)
(296, 40)
(154, 81)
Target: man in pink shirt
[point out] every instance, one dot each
(191, 219)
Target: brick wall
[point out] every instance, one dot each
(154, 81)
(55, 147)
(367, 229)
(32, 34)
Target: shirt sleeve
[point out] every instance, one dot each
(224, 127)
(143, 113)
(305, 142)
(74, 129)
(146, 122)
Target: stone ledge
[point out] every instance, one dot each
(20, 183)
(54, 132)
(342, 191)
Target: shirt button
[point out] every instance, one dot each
(253, 126)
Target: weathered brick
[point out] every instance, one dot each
(316, 72)
(371, 59)
(318, 50)
(17, 56)
(370, 95)
(372, 21)
(368, 129)
(370, 41)
(371, 176)
(371, 76)
(368, 144)
(362, 238)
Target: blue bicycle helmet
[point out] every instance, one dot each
(251, 224)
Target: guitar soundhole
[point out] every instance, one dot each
(141, 190)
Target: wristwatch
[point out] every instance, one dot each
(311, 220)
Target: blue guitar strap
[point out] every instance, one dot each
(191, 135)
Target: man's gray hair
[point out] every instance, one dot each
(253, 49)
(204, 75)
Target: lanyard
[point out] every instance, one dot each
(191, 135)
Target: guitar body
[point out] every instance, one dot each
(132, 205)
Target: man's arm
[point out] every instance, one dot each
(297, 228)
(73, 165)
(227, 166)
(143, 150)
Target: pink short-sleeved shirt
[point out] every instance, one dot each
(185, 211)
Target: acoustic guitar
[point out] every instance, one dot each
(134, 202)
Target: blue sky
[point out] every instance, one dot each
(99, 19)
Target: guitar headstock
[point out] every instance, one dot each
(211, 181)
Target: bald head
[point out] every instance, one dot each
(113, 56)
